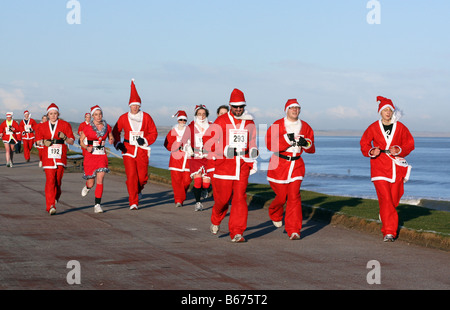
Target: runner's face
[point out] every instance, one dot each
(134, 109)
(293, 113)
(222, 111)
(386, 114)
(201, 114)
(53, 116)
(87, 118)
(98, 115)
(237, 110)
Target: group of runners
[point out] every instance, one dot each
(220, 154)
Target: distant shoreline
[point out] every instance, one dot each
(164, 130)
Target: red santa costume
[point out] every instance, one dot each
(388, 170)
(39, 146)
(54, 159)
(97, 160)
(233, 141)
(10, 135)
(288, 139)
(198, 162)
(178, 163)
(81, 127)
(139, 133)
(27, 128)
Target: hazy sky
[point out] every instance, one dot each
(188, 52)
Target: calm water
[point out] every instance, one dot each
(339, 168)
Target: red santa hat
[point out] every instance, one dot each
(9, 114)
(134, 96)
(180, 115)
(291, 103)
(384, 103)
(86, 114)
(25, 112)
(95, 108)
(52, 107)
(237, 98)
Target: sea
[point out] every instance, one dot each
(339, 168)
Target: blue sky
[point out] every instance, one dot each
(183, 53)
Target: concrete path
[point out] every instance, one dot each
(160, 247)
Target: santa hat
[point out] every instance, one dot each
(237, 98)
(291, 103)
(385, 103)
(95, 108)
(86, 114)
(25, 112)
(134, 96)
(180, 115)
(52, 107)
(9, 114)
(201, 106)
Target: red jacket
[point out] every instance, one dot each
(8, 134)
(384, 166)
(55, 155)
(147, 130)
(178, 158)
(280, 169)
(226, 132)
(27, 131)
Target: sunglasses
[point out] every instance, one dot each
(182, 120)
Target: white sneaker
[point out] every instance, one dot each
(98, 209)
(214, 229)
(389, 238)
(11, 164)
(52, 211)
(178, 205)
(238, 238)
(85, 191)
(295, 236)
(133, 207)
(198, 206)
(277, 224)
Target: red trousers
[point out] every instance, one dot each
(290, 194)
(136, 170)
(222, 192)
(389, 195)
(27, 146)
(180, 184)
(53, 180)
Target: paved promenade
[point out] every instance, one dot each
(160, 247)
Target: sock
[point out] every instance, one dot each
(99, 191)
(197, 182)
(197, 193)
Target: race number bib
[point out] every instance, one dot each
(134, 135)
(238, 138)
(27, 128)
(98, 148)
(198, 143)
(55, 151)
